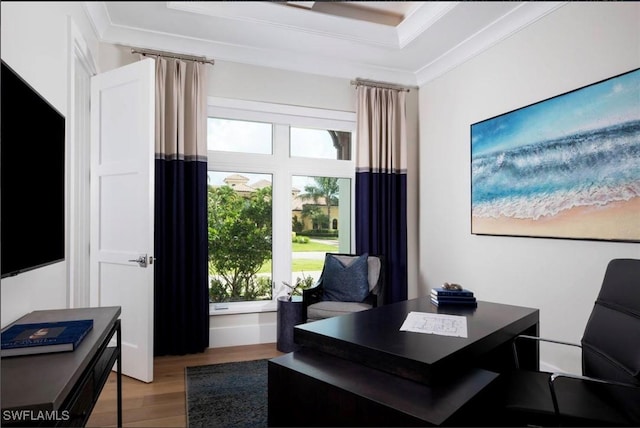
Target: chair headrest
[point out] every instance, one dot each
(611, 340)
(621, 285)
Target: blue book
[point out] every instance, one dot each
(453, 299)
(41, 338)
(439, 291)
(466, 303)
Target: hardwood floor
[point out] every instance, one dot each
(161, 403)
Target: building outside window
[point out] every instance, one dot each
(280, 182)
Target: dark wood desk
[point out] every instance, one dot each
(373, 338)
(60, 389)
(346, 360)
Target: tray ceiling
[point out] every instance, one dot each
(402, 42)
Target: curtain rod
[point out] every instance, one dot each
(385, 85)
(150, 52)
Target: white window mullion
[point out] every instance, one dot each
(323, 168)
(347, 214)
(281, 209)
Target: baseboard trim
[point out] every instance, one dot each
(220, 337)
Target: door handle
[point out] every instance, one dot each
(142, 260)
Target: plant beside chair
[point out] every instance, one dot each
(301, 284)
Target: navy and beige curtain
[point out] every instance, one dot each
(381, 183)
(181, 285)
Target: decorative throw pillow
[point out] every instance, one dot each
(346, 283)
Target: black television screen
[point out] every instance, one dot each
(32, 168)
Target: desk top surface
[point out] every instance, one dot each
(43, 381)
(374, 336)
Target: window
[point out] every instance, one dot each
(239, 136)
(240, 224)
(280, 182)
(320, 143)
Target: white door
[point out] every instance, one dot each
(122, 159)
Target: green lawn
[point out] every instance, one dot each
(304, 265)
(313, 246)
(299, 265)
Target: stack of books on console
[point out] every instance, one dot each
(453, 297)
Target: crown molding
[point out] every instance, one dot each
(421, 19)
(295, 19)
(514, 21)
(272, 58)
(98, 17)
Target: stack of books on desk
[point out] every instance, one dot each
(442, 297)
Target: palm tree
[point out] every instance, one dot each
(327, 188)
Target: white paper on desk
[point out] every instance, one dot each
(441, 324)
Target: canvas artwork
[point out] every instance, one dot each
(566, 167)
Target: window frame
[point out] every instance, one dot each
(281, 166)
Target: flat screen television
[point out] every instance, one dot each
(32, 169)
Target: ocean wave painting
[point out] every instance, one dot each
(566, 167)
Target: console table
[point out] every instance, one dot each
(361, 370)
(61, 389)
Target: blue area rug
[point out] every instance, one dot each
(227, 395)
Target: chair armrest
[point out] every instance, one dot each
(539, 339)
(554, 376)
(371, 299)
(312, 295)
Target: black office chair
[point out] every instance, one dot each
(608, 392)
(334, 294)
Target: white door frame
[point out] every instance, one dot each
(81, 66)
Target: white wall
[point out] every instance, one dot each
(579, 44)
(34, 43)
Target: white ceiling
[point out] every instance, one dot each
(408, 43)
